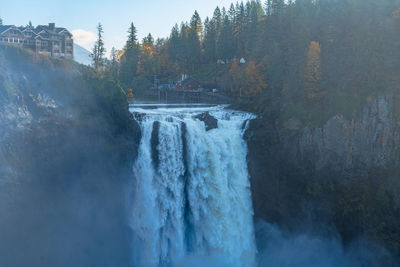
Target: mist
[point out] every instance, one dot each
(308, 248)
(63, 167)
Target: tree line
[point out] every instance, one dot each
(309, 51)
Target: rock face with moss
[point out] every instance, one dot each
(67, 142)
(368, 140)
(344, 174)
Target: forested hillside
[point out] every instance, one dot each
(301, 56)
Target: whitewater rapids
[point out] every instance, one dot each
(190, 200)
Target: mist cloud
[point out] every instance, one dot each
(278, 248)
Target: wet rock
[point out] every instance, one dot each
(285, 155)
(154, 143)
(209, 121)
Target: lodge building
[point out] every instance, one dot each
(44, 39)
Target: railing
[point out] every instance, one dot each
(177, 96)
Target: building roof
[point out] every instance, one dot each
(48, 29)
(3, 28)
(39, 30)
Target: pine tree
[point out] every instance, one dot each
(192, 51)
(174, 44)
(269, 7)
(98, 49)
(146, 66)
(196, 25)
(210, 40)
(148, 40)
(255, 16)
(114, 62)
(225, 44)
(130, 58)
(132, 41)
(217, 17)
(277, 6)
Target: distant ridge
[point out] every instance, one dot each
(81, 55)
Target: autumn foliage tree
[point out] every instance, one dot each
(247, 80)
(313, 74)
(254, 80)
(237, 77)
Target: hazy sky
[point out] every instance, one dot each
(81, 17)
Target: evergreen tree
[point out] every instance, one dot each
(226, 46)
(114, 62)
(217, 18)
(192, 51)
(174, 44)
(98, 49)
(239, 30)
(1, 21)
(232, 13)
(196, 25)
(277, 6)
(269, 7)
(129, 59)
(132, 38)
(210, 40)
(148, 40)
(255, 16)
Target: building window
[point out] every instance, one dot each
(44, 43)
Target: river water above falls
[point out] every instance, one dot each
(190, 199)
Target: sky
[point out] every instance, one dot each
(81, 16)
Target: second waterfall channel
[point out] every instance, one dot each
(190, 199)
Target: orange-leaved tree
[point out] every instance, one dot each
(313, 74)
(254, 80)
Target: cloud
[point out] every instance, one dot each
(84, 38)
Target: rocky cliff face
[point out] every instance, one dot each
(300, 173)
(65, 158)
(368, 140)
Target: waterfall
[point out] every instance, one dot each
(191, 198)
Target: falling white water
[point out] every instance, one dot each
(192, 199)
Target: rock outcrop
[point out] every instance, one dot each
(209, 121)
(301, 174)
(64, 164)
